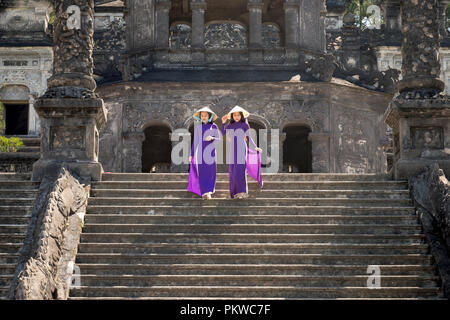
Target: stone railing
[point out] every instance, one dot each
(430, 191)
(19, 162)
(313, 65)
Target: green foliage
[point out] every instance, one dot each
(51, 19)
(10, 144)
(359, 9)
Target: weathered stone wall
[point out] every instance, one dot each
(329, 110)
(50, 248)
(431, 194)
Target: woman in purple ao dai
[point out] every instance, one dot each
(203, 168)
(243, 159)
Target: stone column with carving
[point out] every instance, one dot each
(443, 18)
(198, 30)
(420, 114)
(70, 112)
(162, 8)
(255, 43)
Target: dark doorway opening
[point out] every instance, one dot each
(156, 149)
(16, 119)
(297, 150)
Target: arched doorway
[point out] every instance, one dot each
(156, 149)
(15, 113)
(297, 150)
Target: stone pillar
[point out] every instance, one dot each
(255, 24)
(292, 23)
(71, 113)
(162, 8)
(255, 43)
(320, 145)
(132, 151)
(420, 114)
(198, 30)
(162, 23)
(420, 48)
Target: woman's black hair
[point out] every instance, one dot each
(210, 115)
(242, 118)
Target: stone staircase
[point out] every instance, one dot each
(17, 196)
(304, 236)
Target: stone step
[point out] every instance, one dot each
(28, 140)
(248, 219)
(17, 201)
(270, 202)
(251, 238)
(13, 228)
(5, 280)
(251, 248)
(8, 258)
(12, 237)
(11, 176)
(250, 258)
(15, 219)
(30, 149)
(208, 209)
(224, 193)
(29, 194)
(14, 210)
(253, 186)
(10, 247)
(251, 269)
(265, 177)
(249, 280)
(241, 228)
(267, 292)
(7, 268)
(4, 290)
(18, 185)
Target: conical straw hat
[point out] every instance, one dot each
(205, 109)
(238, 109)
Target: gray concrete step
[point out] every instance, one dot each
(206, 208)
(253, 186)
(251, 269)
(251, 238)
(252, 280)
(240, 218)
(268, 202)
(8, 258)
(18, 185)
(14, 219)
(266, 177)
(5, 280)
(31, 149)
(242, 228)
(251, 248)
(11, 176)
(14, 210)
(266, 193)
(13, 228)
(19, 202)
(6, 194)
(269, 291)
(10, 247)
(252, 258)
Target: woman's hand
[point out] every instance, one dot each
(190, 159)
(258, 150)
(224, 118)
(209, 138)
